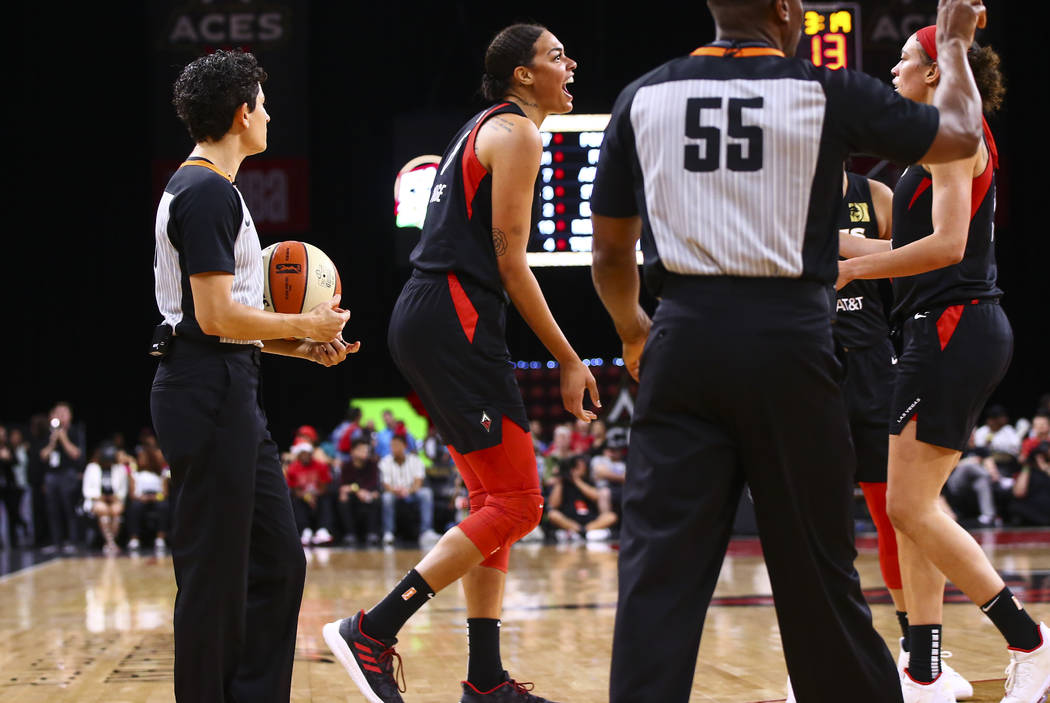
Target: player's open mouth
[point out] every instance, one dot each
(564, 89)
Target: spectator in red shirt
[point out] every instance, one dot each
(581, 438)
(344, 435)
(308, 479)
(1040, 433)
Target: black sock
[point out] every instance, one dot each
(390, 614)
(484, 666)
(902, 618)
(924, 663)
(1007, 614)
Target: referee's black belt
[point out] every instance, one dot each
(192, 345)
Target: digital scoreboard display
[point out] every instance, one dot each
(831, 35)
(571, 144)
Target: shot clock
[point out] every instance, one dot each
(831, 35)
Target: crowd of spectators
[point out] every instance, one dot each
(57, 496)
(377, 486)
(1003, 477)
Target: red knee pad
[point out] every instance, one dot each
(504, 519)
(505, 499)
(889, 563)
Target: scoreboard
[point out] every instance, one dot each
(571, 144)
(831, 35)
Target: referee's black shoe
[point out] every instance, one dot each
(370, 662)
(509, 691)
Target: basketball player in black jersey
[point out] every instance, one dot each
(862, 339)
(447, 337)
(957, 345)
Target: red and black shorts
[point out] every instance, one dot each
(953, 357)
(448, 337)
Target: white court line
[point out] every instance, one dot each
(7, 577)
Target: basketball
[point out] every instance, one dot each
(297, 277)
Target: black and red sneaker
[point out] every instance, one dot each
(509, 691)
(370, 662)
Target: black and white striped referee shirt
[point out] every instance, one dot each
(203, 225)
(733, 158)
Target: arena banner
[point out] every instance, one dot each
(275, 184)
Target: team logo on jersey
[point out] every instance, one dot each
(437, 192)
(858, 212)
(287, 268)
(486, 421)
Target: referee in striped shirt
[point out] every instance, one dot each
(728, 165)
(238, 563)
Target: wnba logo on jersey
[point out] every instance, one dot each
(858, 212)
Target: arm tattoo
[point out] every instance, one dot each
(505, 125)
(499, 241)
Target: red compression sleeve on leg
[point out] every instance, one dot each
(505, 498)
(875, 497)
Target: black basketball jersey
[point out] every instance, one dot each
(457, 232)
(974, 276)
(860, 306)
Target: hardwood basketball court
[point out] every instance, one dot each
(96, 629)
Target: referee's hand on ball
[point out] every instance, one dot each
(325, 322)
(329, 353)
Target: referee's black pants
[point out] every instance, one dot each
(739, 383)
(239, 565)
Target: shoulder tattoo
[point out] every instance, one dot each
(502, 123)
(499, 241)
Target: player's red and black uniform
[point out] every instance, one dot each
(448, 337)
(957, 342)
(862, 333)
(862, 336)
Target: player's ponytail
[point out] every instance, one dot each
(984, 63)
(514, 46)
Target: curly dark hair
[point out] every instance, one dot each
(514, 46)
(210, 89)
(984, 63)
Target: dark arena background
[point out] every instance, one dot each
(356, 91)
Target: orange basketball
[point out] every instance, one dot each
(297, 277)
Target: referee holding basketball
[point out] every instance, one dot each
(728, 165)
(238, 563)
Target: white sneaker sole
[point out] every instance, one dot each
(342, 653)
(1042, 697)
